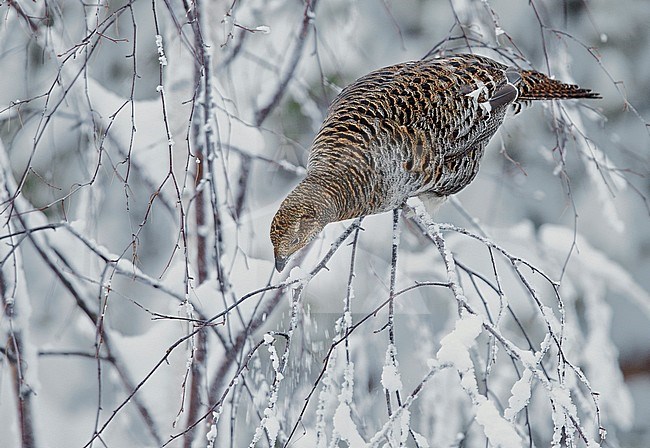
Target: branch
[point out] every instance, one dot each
(307, 19)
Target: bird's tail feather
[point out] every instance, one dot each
(537, 86)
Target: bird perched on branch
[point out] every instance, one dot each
(412, 129)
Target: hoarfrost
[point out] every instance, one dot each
(346, 428)
(17, 312)
(405, 426)
(162, 59)
(211, 434)
(550, 317)
(562, 396)
(287, 166)
(520, 395)
(272, 425)
(275, 360)
(454, 347)
(347, 316)
(420, 440)
(598, 356)
(390, 376)
(348, 384)
(298, 277)
(499, 432)
(391, 379)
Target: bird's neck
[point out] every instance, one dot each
(317, 197)
(336, 193)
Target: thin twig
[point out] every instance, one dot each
(307, 20)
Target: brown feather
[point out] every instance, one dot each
(537, 86)
(416, 128)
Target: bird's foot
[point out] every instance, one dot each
(408, 212)
(432, 202)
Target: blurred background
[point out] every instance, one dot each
(98, 119)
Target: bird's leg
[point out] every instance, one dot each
(408, 212)
(432, 202)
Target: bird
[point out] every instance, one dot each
(417, 128)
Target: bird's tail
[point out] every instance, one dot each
(537, 86)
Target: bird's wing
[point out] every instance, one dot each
(503, 96)
(473, 106)
(452, 103)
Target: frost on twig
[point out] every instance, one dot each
(565, 415)
(154, 244)
(15, 332)
(269, 422)
(162, 59)
(454, 350)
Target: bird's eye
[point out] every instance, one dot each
(295, 241)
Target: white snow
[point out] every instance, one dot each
(298, 276)
(271, 424)
(527, 357)
(346, 394)
(520, 395)
(275, 360)
(405, 425)
(454, 347)
(432, 363)
(211, 435)
(162, 59)
(562, 396)
(601, 270)
(390, 376)
(420, 440)
(391, 379)
(346, 428)
(499, 432)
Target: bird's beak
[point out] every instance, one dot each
(280, 263)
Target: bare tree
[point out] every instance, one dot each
(144, 147)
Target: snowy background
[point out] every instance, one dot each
(137, 197)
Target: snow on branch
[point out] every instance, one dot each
(143, 164)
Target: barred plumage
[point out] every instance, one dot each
(412, 129)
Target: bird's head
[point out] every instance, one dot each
(300, 218)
